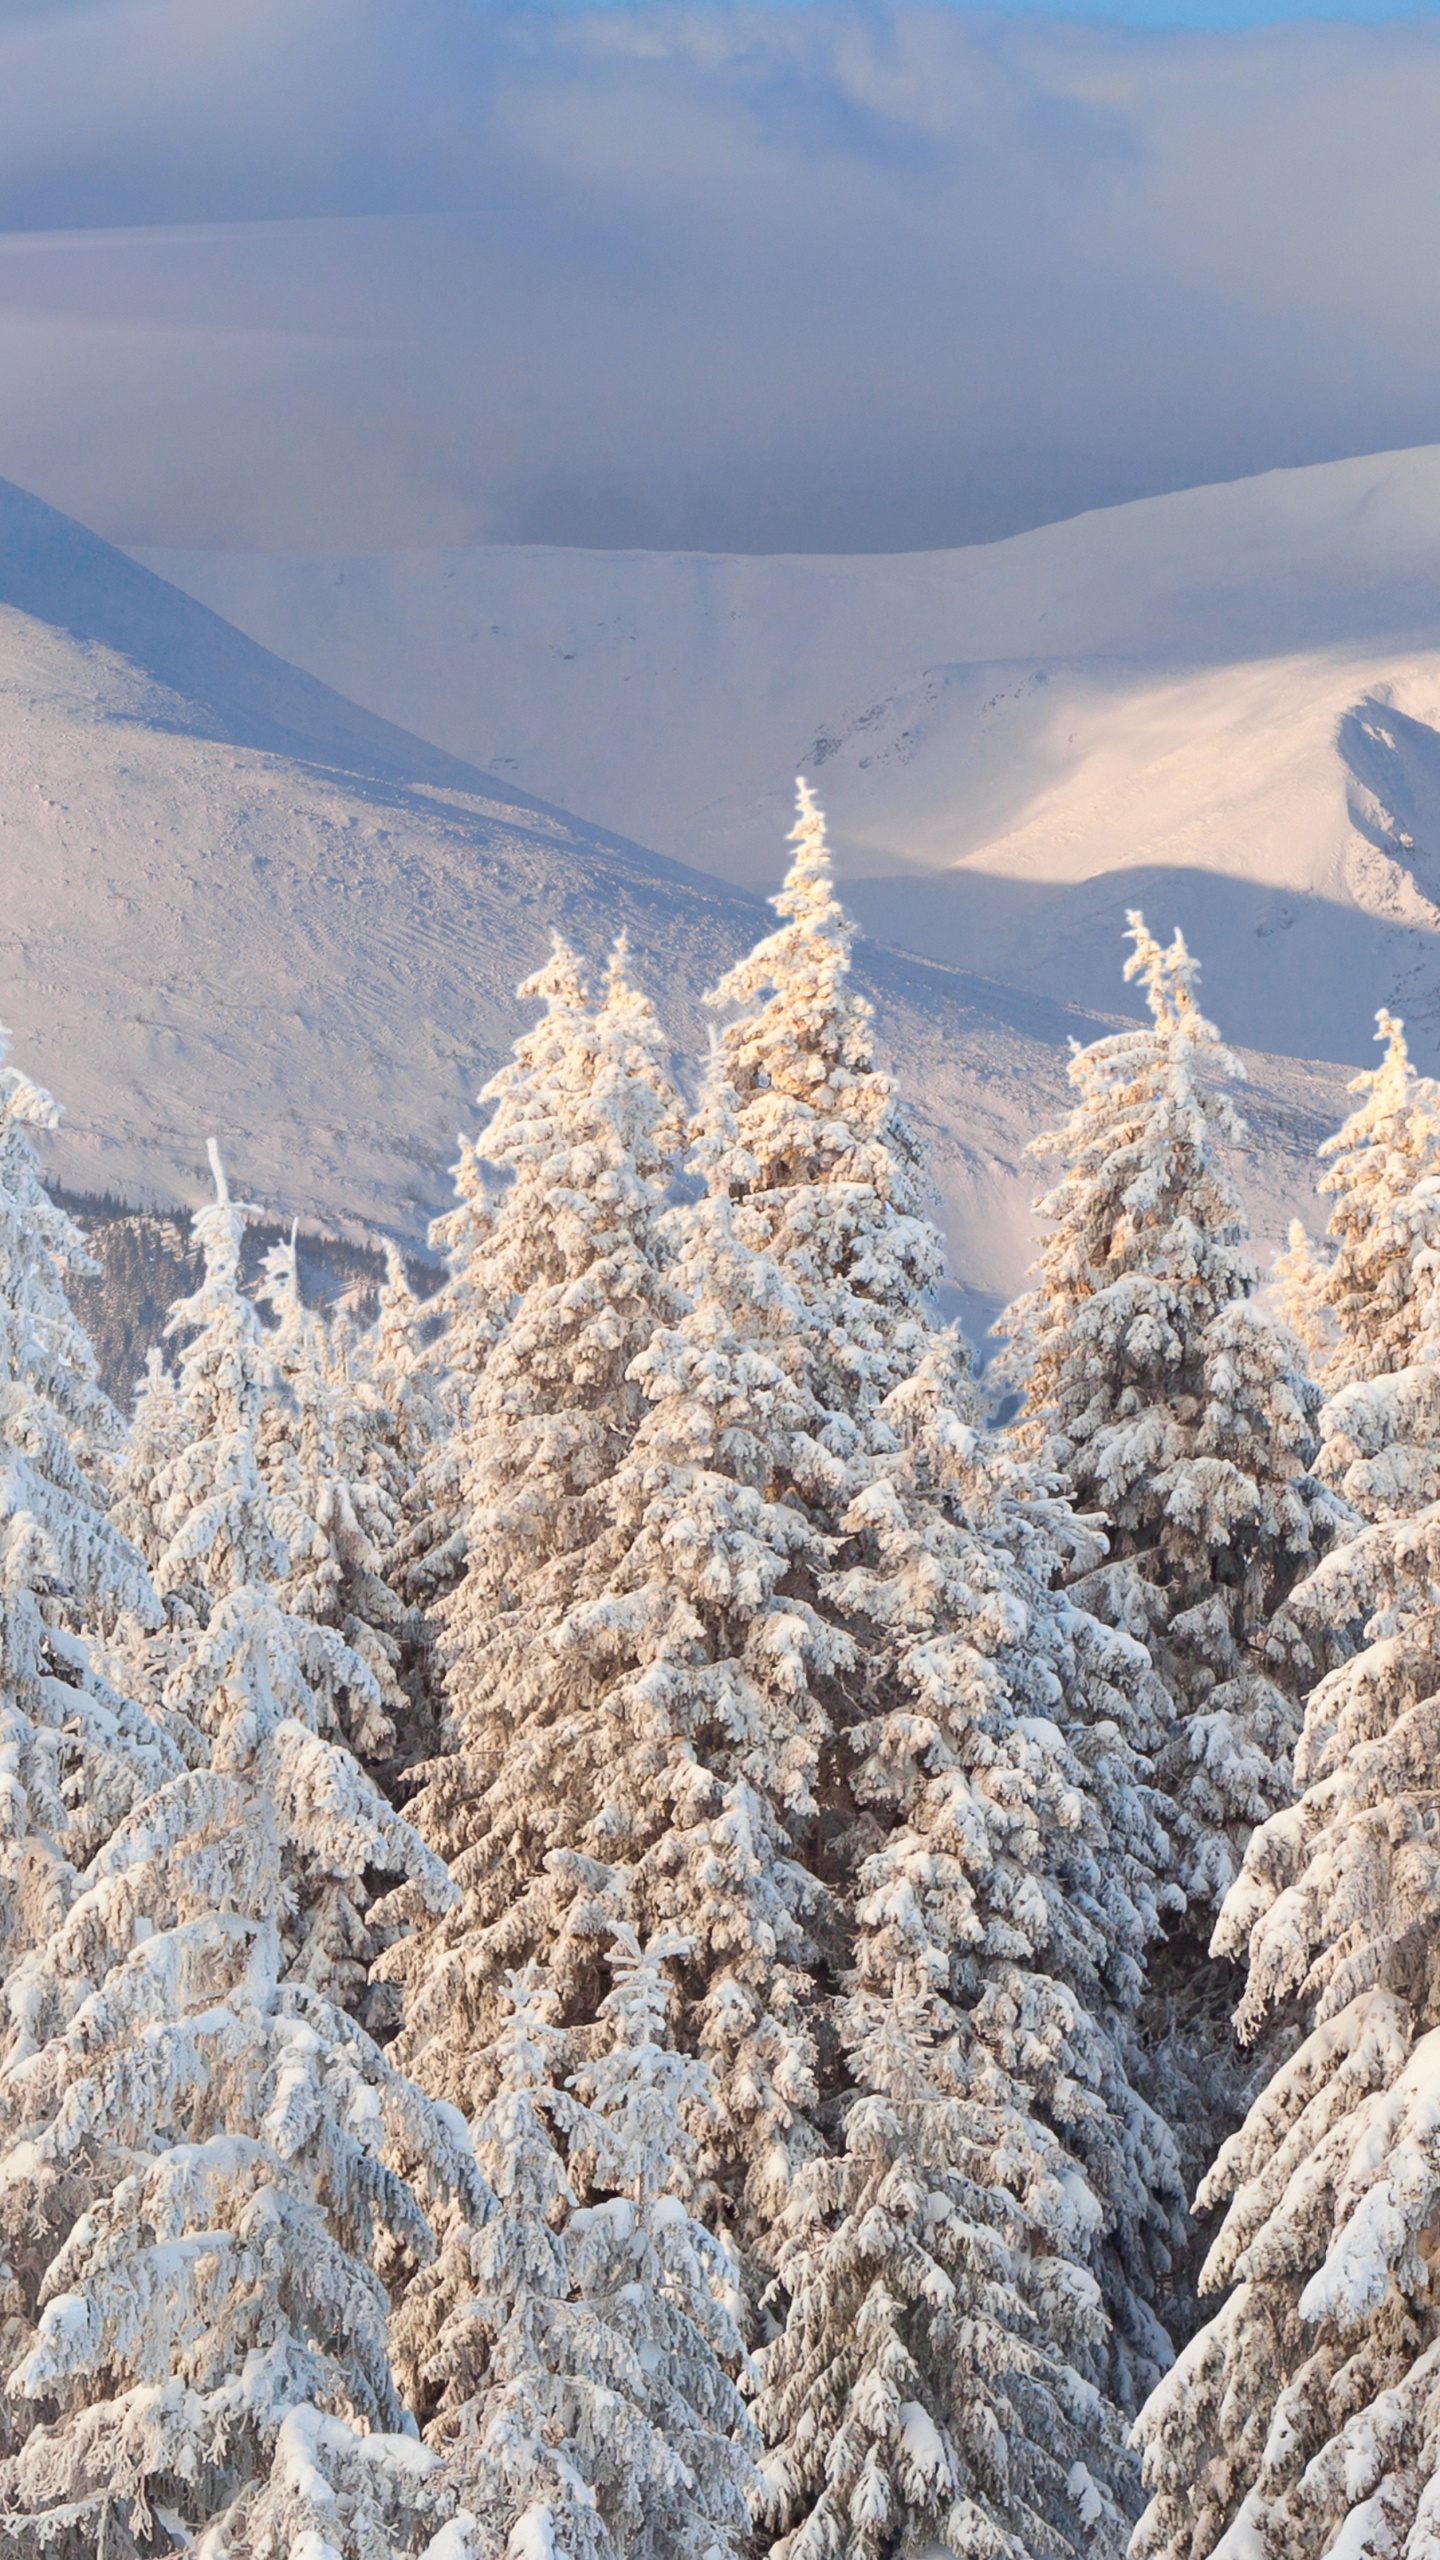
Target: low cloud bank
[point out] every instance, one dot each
(337, 274)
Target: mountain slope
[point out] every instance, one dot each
(1225, 703)
(236, 904)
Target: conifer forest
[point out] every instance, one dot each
(646, 1915)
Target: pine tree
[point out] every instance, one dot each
(619, 1623)
(211, 2181)
(543, 1770)
(1172, 1404)
(800, 1136)
(393, 1355)
(970, 2280)
(1371, 1300)
(801, 1131)
(328, 1459)
(1373, 1307)
(586, 1127)
(578, 2350)
(639, 1711)
(574, 1258)
(75, 1756)
(217, 1535)
(1303, 2420)
(471, 1308)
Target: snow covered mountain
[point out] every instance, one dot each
(1224, 705)
(236, 904)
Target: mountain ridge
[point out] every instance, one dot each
(237, 905)
(1236, 685)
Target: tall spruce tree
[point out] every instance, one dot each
(470, 1309)
(633, 1687)
(584, 1124)
(209, 2179)
(331, 1456)
(1305, 2418)
(577, 2353)
(1173, 1405)
(219, 1539)
(1373, 1308)
(801, 1131)
(1366, 1303)
(552, 1791)
(75, 1755)
(970, 2279)
(901, 2339)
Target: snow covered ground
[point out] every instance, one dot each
(236, 904)
(1224, 704)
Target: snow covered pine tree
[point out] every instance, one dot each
(555, 1805)
(651, 1679)
(333, 1453)
(977, 1791)
(1372, 1307)
(75, 1757)
(578, 2353)
(211, 2181)
(1305, 2420)
(1182, 1412)
(1172, 1403)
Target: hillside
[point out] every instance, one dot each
(1225, 704)
(236, 904)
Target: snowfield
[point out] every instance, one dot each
(1224, 704)
(238, 904)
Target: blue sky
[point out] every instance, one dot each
(1220, 15)
(345, 274)
(1217, 16)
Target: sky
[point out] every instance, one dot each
(332, 275)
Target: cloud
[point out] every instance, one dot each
(336, 274)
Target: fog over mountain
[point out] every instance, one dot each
(237, 905)
(1223, 706)
(347, 274)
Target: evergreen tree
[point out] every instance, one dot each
(800, 1136)
(1303, 2421)
(1371, 1301)
(544, 1776)
(218, 1538)
(970, 2280)
(801, 1131)
(578, 2350)
(211, 2181)
(635, 1712)
(620, 1626)
(586, 1128)
(328, 1458)
(394, 1357)
(1373, 1307)
(574, 1258)
(471, 1308)
(1172, 1404)
(75, 1756)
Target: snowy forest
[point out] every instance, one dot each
(643, 1918)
